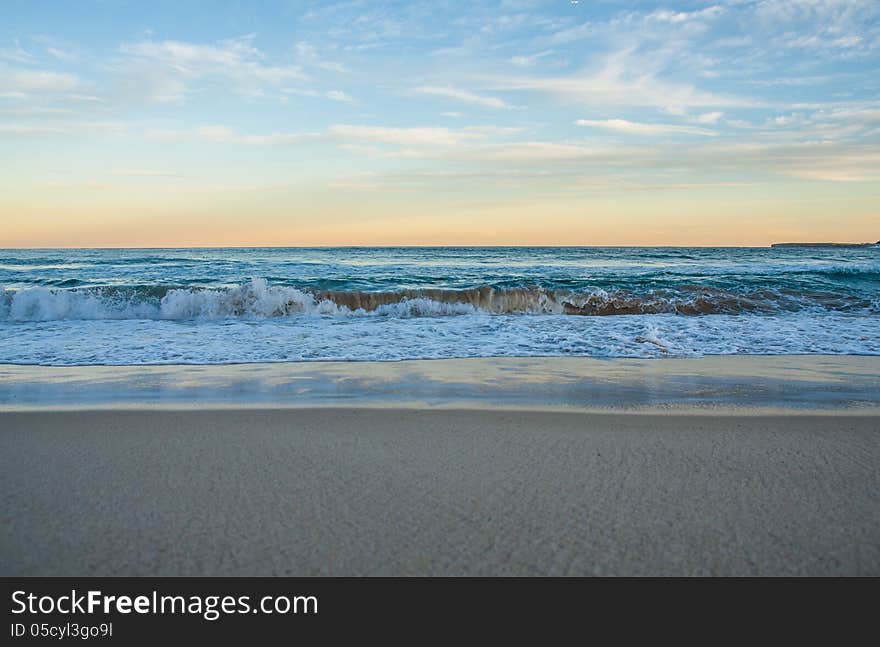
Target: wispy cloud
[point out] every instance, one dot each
(660, 23)
(522, 60)
(457, 94)
(29, 81)
(622, 80)
(60, 54)
(16, 53)
(636, 128)
(339, 95)
(167, 69)
(535, 153)
(225, 135)
(63, 129)
(307, 55)
(405, 136)
(539, 152)
(815, 160)
(709, 117)
(838, 28)
(143, 173)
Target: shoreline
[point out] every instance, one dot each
(737, 383)
(705, 356)
(677, 409)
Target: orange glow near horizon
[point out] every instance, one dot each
(571, 223)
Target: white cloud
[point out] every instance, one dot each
(864, 115)
(838, 27)
(530, 61)
(142, 173)
(352, 136)
(224, 135)
(60, 54)
(339, 95)
(623, 79)
(16, 53)
(166, 70)
(708, 117)
(465, 96)
(814, 160)
(832, 174)
(542, 152)
(333, 95)
(661, 24)
(63, 129)
(404, 136)
(27, 82)
(536, 153)
(32, 111)
(782, 120)
(636, 128)
(681, 17)
(307, 56)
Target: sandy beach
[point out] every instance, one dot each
(354, 491)
(438, 289)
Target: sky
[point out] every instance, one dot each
(516, 122)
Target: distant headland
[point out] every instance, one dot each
(846, 245)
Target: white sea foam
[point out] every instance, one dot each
(307, 338)
(256, 300)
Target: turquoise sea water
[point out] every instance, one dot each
(145, 306)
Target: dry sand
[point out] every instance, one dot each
(437, 492)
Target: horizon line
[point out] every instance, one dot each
(523, 246)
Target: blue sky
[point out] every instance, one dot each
(446, 122)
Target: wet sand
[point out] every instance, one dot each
(790, 383)
(422, 491)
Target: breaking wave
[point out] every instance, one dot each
(258, 299)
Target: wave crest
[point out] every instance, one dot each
(258, 299)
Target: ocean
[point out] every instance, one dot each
(218, 306)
